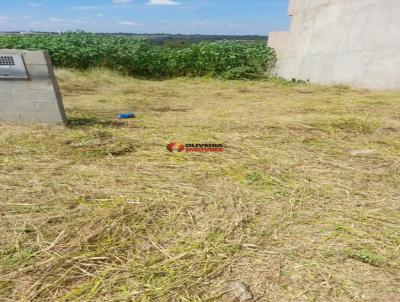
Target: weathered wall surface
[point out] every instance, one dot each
(35, 100)
(354, 42)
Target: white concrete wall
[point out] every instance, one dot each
(35, 100)
(353, 42)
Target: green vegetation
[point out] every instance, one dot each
(101, 211)
(137, 57)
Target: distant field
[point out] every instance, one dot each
(167, 39)
(302, 206)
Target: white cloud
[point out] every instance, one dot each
(27, 17)
(4, 18)
(81, 22)
(86, 7)
(207, 23)
(162, 2)
(129, 23)
(121, 1)
(57, 20)
(34, 4)
(99, 15)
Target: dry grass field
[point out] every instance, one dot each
(303, 205)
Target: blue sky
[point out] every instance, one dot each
(238, 17)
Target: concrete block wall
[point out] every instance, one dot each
(353, 42)
(36, 100)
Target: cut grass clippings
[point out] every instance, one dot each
(101, 211)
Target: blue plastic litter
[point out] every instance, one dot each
(126, 115)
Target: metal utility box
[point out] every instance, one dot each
(12, 67)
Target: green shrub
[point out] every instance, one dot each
(136, 57)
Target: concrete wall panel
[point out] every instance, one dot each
(353, 42)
